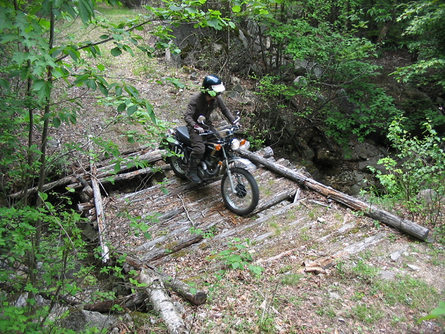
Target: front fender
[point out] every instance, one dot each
(243, 163)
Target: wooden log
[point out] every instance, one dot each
(46, 187)
(369, 210)
(100, 215)
(187, 241)
(162, 302)
(149, 157)
(159, 253)
(84, 207)
(278, 198)
(135, 301)
(102, 173)
(194, 296)
(100, 218)
(128, 176)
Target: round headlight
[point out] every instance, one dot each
(235, 144)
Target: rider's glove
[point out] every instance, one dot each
(198, 129)
(237, 124)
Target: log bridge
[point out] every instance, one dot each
(180, 213)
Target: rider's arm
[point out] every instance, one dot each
(190, 112)
(224, 109)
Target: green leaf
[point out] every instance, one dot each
(56, 122)
(117, 167)
(214, 23)
(74, 54)
(86, 10)
(132, 109)
(4, 83)
(91, 84)
(236, 9)
(103, 88)
(121, 107)
(132, 91)
(150, 112)
(116, 51)
(42, 88)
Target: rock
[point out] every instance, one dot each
(428, 196)
(334, 295)
(388, 275)
(80, 320)
(396, 256)
(413, 267)
(363, 166)
(365, 151)
(328, 157)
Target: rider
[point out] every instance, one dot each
(203, 103)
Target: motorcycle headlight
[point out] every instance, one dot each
(235, 144)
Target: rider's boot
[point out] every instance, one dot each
(192, 172)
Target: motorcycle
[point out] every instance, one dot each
(239, 188)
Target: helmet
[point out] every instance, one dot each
(212, 82)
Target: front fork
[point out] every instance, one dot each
(226, 161)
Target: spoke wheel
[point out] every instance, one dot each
(244, 198)
(178, 165)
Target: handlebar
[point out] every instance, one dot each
(232, 128)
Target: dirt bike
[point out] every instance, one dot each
(239, 188)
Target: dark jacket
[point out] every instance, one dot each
(198, 105)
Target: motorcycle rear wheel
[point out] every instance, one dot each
(245, 198)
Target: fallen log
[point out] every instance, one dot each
(100, 218)
(181, 244)
(135, 302)
(194, 296)
(102, 173)
(149, 157)
(162, 302)
(100, 215)
(278, 198)
(369, 210)
(46, 187)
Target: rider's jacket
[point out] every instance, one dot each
(198, 105)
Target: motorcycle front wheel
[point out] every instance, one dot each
(177, 163)
(244, 196)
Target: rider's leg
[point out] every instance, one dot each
(195, 158)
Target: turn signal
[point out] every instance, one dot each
(218, 147)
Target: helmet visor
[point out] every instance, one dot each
(219, 88)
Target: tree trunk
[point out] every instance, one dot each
(369, 210)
